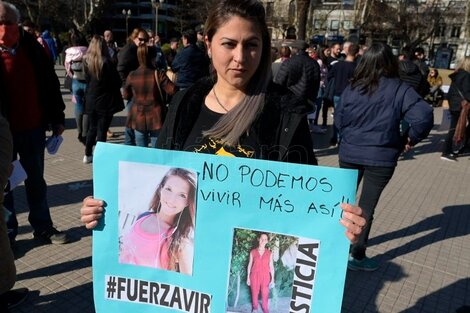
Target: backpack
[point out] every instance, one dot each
(78, 70)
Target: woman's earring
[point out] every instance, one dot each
(209, 54)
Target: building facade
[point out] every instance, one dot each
(380, 20)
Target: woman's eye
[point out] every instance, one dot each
(183, 196)
(229, 44)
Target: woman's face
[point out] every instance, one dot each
(174, 195)
(236, 50)
(262, 241)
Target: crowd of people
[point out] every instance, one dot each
(223, 83)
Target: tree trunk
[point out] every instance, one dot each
(302, 15)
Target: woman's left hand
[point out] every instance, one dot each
(353, 221)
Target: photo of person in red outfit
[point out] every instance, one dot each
(260, 273)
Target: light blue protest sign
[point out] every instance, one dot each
(188, 232)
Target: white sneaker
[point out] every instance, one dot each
(87, 159)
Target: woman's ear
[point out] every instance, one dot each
(208, 45)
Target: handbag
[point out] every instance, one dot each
(329, 90)
(162, 80)
(171, 75)
(459, 135)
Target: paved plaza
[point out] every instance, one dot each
(420, 236)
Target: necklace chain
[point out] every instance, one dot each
(218, 101)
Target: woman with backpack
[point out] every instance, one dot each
(74, 69)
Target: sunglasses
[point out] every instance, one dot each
(143, 39)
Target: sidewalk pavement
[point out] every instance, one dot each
(420, 236)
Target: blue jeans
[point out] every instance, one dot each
(336, 134)
(376, 179)
(142, 138)
(318, 103)
(129, 134)
(30, 145)
(78, 91)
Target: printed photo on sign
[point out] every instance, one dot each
(271, 272)
(157, 217)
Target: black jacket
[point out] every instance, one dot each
(410, 73)
(301, 74)
(48, 85)
(190, 64)
(460, 82)
(281, 128)
(104, 96)
(127, 61)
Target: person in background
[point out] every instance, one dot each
(368, 118)
(410, 73)
(31, 28)
(319, 101)
(171, 54)
(24, 62)
(51, 44)
(75, 69)
(301, 74)
(341, 72)
(284, 54)
(335, 54)
(200, 38)
(420, 60)
(323, 56)
(190, 64)
(345, 50)
(103, 97)
(459, 90)
(160, 60)
(112, 45)
(147, 113)
(435, 82)
(113, 54)
(127, 62)
(8, 298)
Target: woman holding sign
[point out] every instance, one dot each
(161, 237)
(238, 111)
(260, 273)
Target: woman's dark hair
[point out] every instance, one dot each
(322, 55)
(77, 39)
(378, 61)
(238, 121)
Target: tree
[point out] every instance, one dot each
(61, 13)
(413, 22)
(302, 15)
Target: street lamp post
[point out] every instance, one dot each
(127, 14)
(156, 4)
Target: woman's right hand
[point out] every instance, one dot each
(91, 211)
